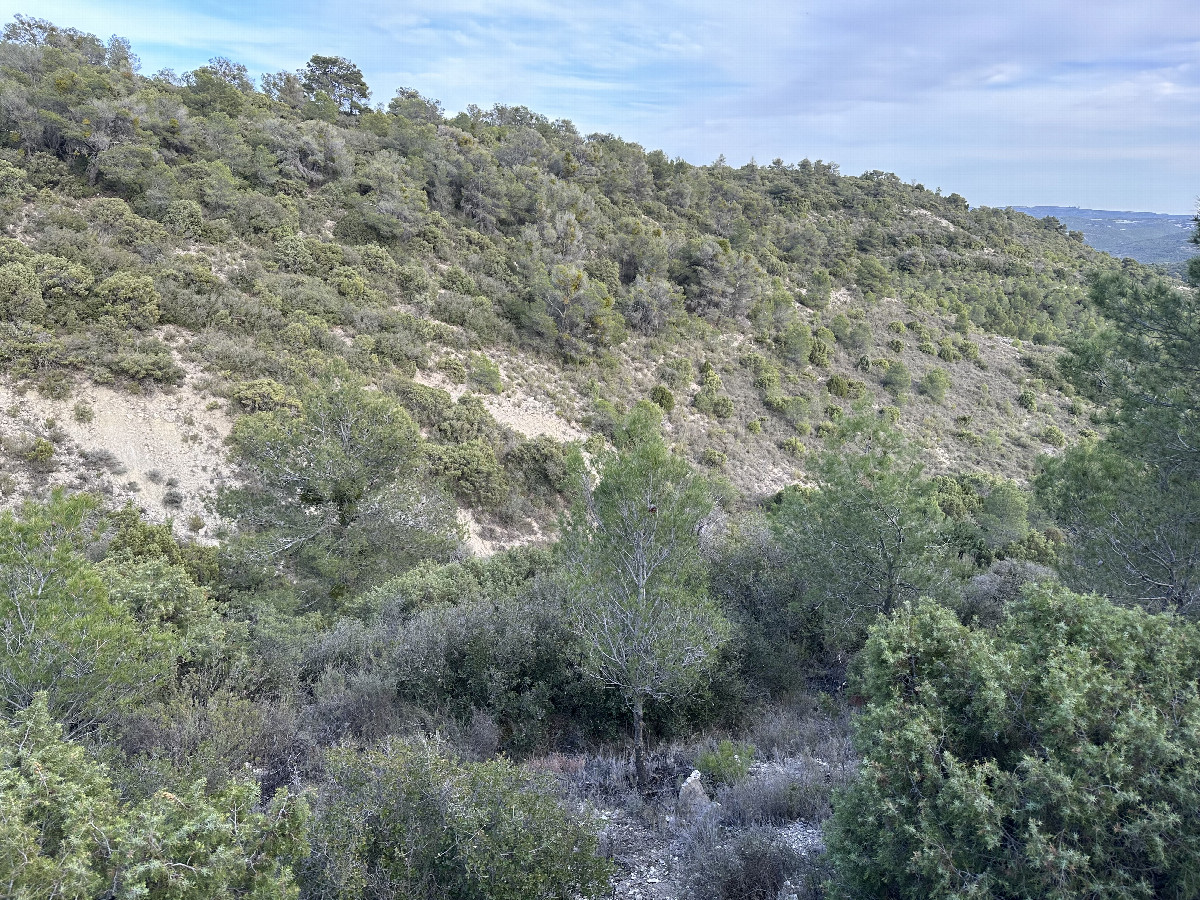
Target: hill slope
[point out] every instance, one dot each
(201, 233)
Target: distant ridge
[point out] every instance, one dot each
(1145, 236)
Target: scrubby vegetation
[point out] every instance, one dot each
(804, 495)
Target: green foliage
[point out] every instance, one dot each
(412, 821)
(1055, 757)
(728, 763)
(131, 300)
(641, 426)
(661, 396)
(866, 539)
(1053, 435)
(64, 831)
(473, 470)
(935, 384)
(430, 406)
(65, 636)
(147, 360)
(636, 580)
(820, 354)
(841, 386)
(1027, 399)
(709, 398)
(677, 372)
(485, 374)
(313, 498)
(1129, 501)
(794, 445)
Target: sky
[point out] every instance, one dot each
(1021, 102)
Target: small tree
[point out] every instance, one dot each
(62, 633)
(638, 598)
(337, 487)
(866, 538)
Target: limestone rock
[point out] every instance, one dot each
(693, 800)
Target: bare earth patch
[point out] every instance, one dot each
(162, 451)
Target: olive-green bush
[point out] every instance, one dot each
(1054, 757)
(411, 820)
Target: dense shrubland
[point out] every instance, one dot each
(334, 695)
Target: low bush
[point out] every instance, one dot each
(473, 471)
(1052, 757)
(727, 763)
(1054, 436)
(756, 864)
(661, 395)
(935, 384)
(410, 820)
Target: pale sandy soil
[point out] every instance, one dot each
(132, 448)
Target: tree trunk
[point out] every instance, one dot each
(639, 746)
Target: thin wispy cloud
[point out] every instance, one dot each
(1093, 104)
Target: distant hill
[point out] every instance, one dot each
(1146, 237)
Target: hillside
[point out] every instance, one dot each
(200, 233)
(402, 504)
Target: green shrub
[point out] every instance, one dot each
(1052, 757)
(896, 345)
(722, 406)
(728, 763)
(83, 413)
(485, 373)
(148, 360)
(543, 467)
(935, 384)
(428, 405)
(793, 445)
(466, 420)
(131, 300)
(754, 426)
(453, 368)
(820, 354)
(67, 830)
(39, 453)
(473, 471)
(55, 386)
(411, 821)
(947, 350)
(709, 401)
(1027, 399)
(928, 347)
(1054, 436)
(677, 373)
(263, 394)
(661, 395)
(896, 327)
(841, 386)
(713, 458)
